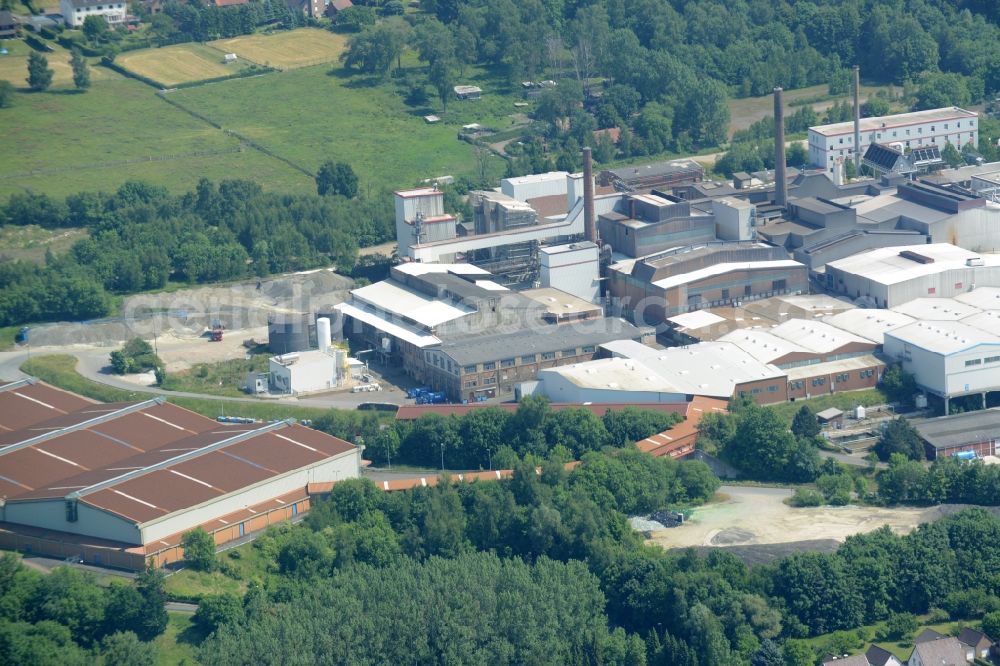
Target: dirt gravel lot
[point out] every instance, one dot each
(751, 516)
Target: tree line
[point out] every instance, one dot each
(494, 438)
(141, 237)
(66, 617)
(661, 71)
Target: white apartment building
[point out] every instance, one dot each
(76, 11)
(933, 127)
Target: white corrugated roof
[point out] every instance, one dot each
(869, 323)
(943, 337)
(987, 320)
(762, 344)
(936, 309)
(984, 298)
(410, 334)
(816, 336)
(392, 297)
(721, 269)
(885, 265)
(420, 268)
(696, 319)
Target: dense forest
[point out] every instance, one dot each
(141, 237)
(661, 71)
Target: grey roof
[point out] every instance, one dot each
(855, 660)
(878, 656)
(657, 169)
(539, 339)
(959, 429)
(6, 18)
(972, 638)
(928, 635)
(941, 652)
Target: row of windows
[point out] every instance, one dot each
(980, 361)
(920, 130)
(821, 381)
(510, 362)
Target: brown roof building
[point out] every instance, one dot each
(143, 473)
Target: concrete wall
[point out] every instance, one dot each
(978, 377)
(573, 271)
(51, 515)
(926, 366)
(530, 187)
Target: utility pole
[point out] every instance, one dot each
(442, 456)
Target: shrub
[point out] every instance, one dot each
(806, 497)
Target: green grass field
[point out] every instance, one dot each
(339, 117)
(842, 401)
(14, 66)
(286, 50)
(901, 649)
(175, 645)
(181, 63)
(60, 143)
(223, 378)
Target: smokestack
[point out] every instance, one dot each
(589, 223)
(780, 183)
(857, 119)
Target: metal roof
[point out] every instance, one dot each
(869, 323)
(885, 265)
(29, 402)
(984, 298)
(834, 367)
(926, 308)
(817, 336)
(722, 269)
(471, 349)
(394, 298)
(419, 268)
(943, 337)
(404, 332)
(894, 121)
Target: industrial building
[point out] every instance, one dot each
(933, 127)
(662, 285)
(978, 432)
(949, 359)
(639, 374)
(119, 484)
(453, 328)
(313, 370)
(659, 175)
(890, 276)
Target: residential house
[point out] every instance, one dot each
(9, 26)
(334, 7)
(878, 656)
(976, 644)
(74, 12)
(855, 660)
(938, 652)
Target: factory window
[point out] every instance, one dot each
(747, 290)
(908, 131)
(492, 365)
(755, 391)
(920, 130)
(772, 389)
(842, 377)
(991, 359)
(566, 353)
(530, 358)
(777, 285)
(975, 361)
(932, 128)
(841, 140)
(819, 381)
(725, 294)
(489, 381)
(507, 363)
(931, 290)
(946, 125)
(71, 511)
(589, 349)
(893, 133)
(469, 369)
(548, 356)
(470, 384)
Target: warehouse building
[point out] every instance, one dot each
(659, 286)
(119, 484)
(978, 432)
(638, 374)
(932, 127)
(949, 359)
(894, 275)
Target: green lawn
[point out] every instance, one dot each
(30, 242)
(843, 401)
(59, 143)
(189, 584)
(902, 649)
(174, 646)
(222, 378)
(313, 114)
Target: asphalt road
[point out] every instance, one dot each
(93, 365)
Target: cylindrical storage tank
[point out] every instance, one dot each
(323, 333)
(290, 333)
